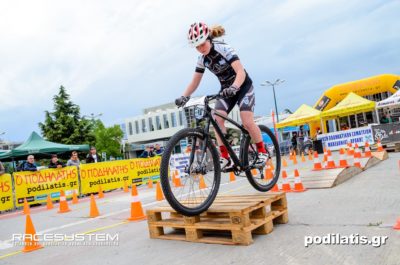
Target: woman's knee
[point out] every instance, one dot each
(248, 123)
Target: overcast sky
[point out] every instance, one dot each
(118, 57)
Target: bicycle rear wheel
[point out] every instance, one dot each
(262, 178)
(190, 179)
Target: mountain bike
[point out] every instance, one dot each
(194, 190)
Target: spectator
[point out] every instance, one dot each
(148, 152)
(93, 157)
(294, 141)
(2, 169)
(344, 127)
(74, 160)
(54, 163)
(29, 165)
(386, 119)
(158, 150)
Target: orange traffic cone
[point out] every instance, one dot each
(268, 176)
(254, 172)
(325, 155)
(342, 159)
(126, 188)
(232, 177)
(295, 159)
(150, 183)
(298, 185)
(202, 183)
(350, 151)
(159, 193)
(331, 163)
(380, 147)
(285, 184)
(26, 207)
(176, 179)
(310, 155)
(271, 165)
(63, 203)
(31, 242)
(94, 212)
(397, 225)
(49, 204)
(317, 163)
(303, 158)
(136, 206)
(268, 173)
(284, 162)
(357, 162)
(101, 194)
(367, 152)
(74, 198)
(357, 152)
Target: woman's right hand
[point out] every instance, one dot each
(181, 101)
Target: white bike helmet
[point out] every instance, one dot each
(198, 34)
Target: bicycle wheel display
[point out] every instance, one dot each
(264, 177)
(190, 178)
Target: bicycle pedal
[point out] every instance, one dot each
(227, 170)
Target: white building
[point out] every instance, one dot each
(157, 124)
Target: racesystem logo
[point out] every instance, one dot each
(58, 239)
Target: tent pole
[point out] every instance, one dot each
(377, 116)
(356, 120)
(13, 163)
(322, 126)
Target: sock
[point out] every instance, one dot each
(224, 151)
(261, 147)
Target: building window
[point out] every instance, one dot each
(144, 129)
(151, 126)
(166, 124)
(181, 118)
(173, 119)
(158, 123)
(137, 127)
(130, 128)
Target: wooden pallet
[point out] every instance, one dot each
(230, 220)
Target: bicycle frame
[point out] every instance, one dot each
(209, 118)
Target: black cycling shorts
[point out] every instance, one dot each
(244, 98)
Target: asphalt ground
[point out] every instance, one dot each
(366, 205)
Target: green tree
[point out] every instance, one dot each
(108, 139)
(65, 124)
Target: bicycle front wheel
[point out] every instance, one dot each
(190, 178)
(262, 178)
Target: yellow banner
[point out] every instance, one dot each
(6, 193)
(146, 168)
(35, 186)
(108, 175)
(112, 175)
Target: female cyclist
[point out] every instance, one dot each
(236, 85)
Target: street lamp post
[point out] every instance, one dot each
(277, 82)
(92, 116)
(1, 133)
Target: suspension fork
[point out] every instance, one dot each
(206, 133)
(203, 147)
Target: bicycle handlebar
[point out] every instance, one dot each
(215, 96)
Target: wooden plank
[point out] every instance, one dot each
(230, 220)
(381, 155)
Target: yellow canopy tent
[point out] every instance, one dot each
(304, 114)
(351, 104)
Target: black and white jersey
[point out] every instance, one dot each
(219, 61)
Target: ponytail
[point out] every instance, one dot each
(216, 31)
